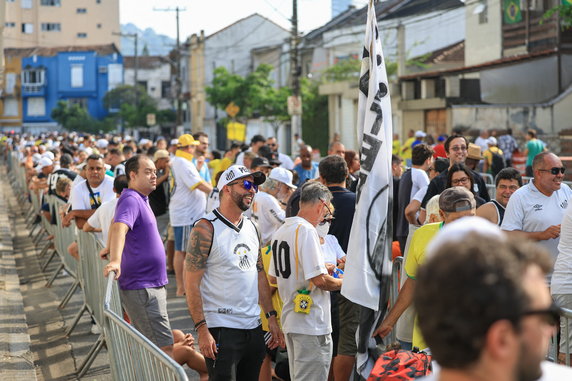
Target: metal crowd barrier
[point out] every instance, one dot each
(394, 289)
(555, 350)
(126, 344)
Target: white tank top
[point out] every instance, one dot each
(229, 287)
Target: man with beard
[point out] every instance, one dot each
(137, 255)
(225, 280)
(503, 315)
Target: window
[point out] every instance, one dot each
(51, 3)
(27, 4)
(33, 77)
(10, 83)
(27, 28)
(82, 35)
(482, 9)
(98, 26)
(10, 107)
(82, 102)
(10, 24)
(76, 75)
(143, 84)
(81, 10)
(36, 106)
(166, 89)
(51, 27)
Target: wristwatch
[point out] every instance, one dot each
(271, 313)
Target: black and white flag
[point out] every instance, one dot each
(368, 267)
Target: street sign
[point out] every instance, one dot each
(151, 120)
(232, 109)
(294, 105)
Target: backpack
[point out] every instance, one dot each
(402, 365)
(497, 163)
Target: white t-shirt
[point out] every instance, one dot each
(550, 372)
(286, 161)
(531, 211)
(102, 219)
(561, 278)
(187, 204)
(213, 201)
(420, 195)
(240, 157)
(483, 143)
(267, 214)
(311, 263)
(332, 250)
(78, 179)
(419, 179)
(80, 196)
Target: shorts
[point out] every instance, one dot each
(182, 237)
(147, 309)
(564, 300)
(349, 320)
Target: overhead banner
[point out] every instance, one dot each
(367, 275)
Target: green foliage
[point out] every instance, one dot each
(314, 115)
(343, 70)
(121, 103)
(76, 118)
(564, 11)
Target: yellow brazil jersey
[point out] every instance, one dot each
(266, 253)
(415, 258)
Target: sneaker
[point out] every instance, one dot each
(95, 329)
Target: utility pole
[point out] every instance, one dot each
(178, 80)
(296, 120)
(136, 59)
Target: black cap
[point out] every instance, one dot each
(257, 138)
(260, 162)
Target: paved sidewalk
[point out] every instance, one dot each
(51, 355)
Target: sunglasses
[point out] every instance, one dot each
(329, 217)
(551, 315)
(554, 170)
(459, 148)
(246, 184)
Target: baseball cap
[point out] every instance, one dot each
(36, 157)
(492, 141)
(420, 134)
(474, 152)
(260, 162)
(442, 138)
(102, 143)
(44, 162)
(160, 154)
(174, 142)
(187, 140)
(456, 199)
(49, 154)
(235, 172)
(283, 175)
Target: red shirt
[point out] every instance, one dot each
(439, 151)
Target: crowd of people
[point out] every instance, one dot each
(257, 243)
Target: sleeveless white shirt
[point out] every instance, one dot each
(229, 286)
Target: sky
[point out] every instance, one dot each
(213, 15)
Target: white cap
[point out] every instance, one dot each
(235, 172)
(174, 142)
(283, 175)
(144, 141)
(492, 141)
(420, 134)
(49, 155)
(44, 162)
(36, 157)
(457, 231)
(102, 143)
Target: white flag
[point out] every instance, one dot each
(368, 267)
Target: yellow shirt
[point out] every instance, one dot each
(406, 153)
(488, 154)
(415, 258)
(266, 253)
(396, 147)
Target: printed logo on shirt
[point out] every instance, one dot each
(537, 207)
(564, 205)
(242, 251)
(95, 201)
(226, 311)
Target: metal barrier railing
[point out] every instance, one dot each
(555, 350)
(152, 363)
(394, 289)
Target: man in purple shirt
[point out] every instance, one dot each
(138, 256)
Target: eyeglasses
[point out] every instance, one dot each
(459, 148)
(246, 184)
(462, 180)
(554, 170)
(551, 315)
(431, 169)
(329, 217)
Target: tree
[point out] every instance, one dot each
(76, 118)
(121, 103)
(564, 11)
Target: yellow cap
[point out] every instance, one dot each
(187, 140)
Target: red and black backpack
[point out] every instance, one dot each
(400, 365)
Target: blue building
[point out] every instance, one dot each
(78, 75)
